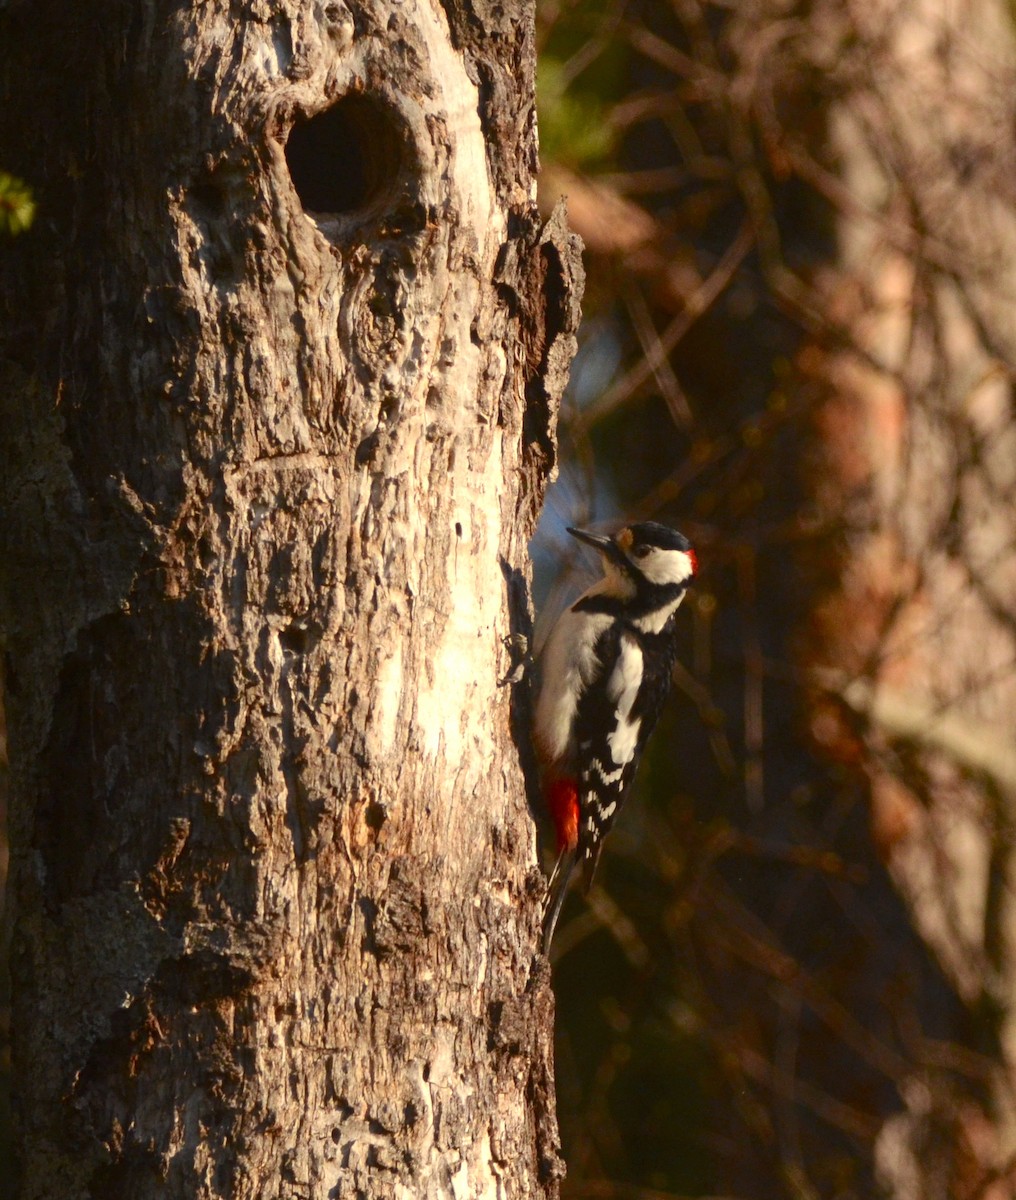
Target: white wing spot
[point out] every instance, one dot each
(605, 775)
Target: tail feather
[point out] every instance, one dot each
(557, 889)
(590, 860)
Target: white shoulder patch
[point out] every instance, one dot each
(623, 688)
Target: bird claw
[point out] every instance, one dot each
(517, 645)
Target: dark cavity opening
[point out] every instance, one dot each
(293, 639)
(345, 159)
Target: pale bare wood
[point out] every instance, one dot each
(269, 482)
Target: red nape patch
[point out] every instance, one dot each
(694, 562)
(563, 802)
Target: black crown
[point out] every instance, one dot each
(652, 533)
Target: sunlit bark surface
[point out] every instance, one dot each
(275, 432)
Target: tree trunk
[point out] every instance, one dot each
(279, 396)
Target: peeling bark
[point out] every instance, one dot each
(276, 432)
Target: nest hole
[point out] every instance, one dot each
(346, 159)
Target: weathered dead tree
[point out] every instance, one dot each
(281, 366)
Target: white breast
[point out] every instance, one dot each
(569, 665)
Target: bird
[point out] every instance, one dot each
(605, 674)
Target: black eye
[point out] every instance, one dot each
(641, 551)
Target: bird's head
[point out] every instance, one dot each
(641, 558)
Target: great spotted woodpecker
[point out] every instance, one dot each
(605, 674)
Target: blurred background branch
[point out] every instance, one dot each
(796, 976)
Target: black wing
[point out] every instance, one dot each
(616, 716)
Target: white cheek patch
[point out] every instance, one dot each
(666, 566)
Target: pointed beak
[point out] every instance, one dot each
(605, 545)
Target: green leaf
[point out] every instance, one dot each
(574, 127)
(17, 204)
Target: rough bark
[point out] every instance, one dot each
(268, 479)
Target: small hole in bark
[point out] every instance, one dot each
(375, 816)
(367, 448)
(209, 197)
(345, 159)
(458, 529)
(293, 639)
